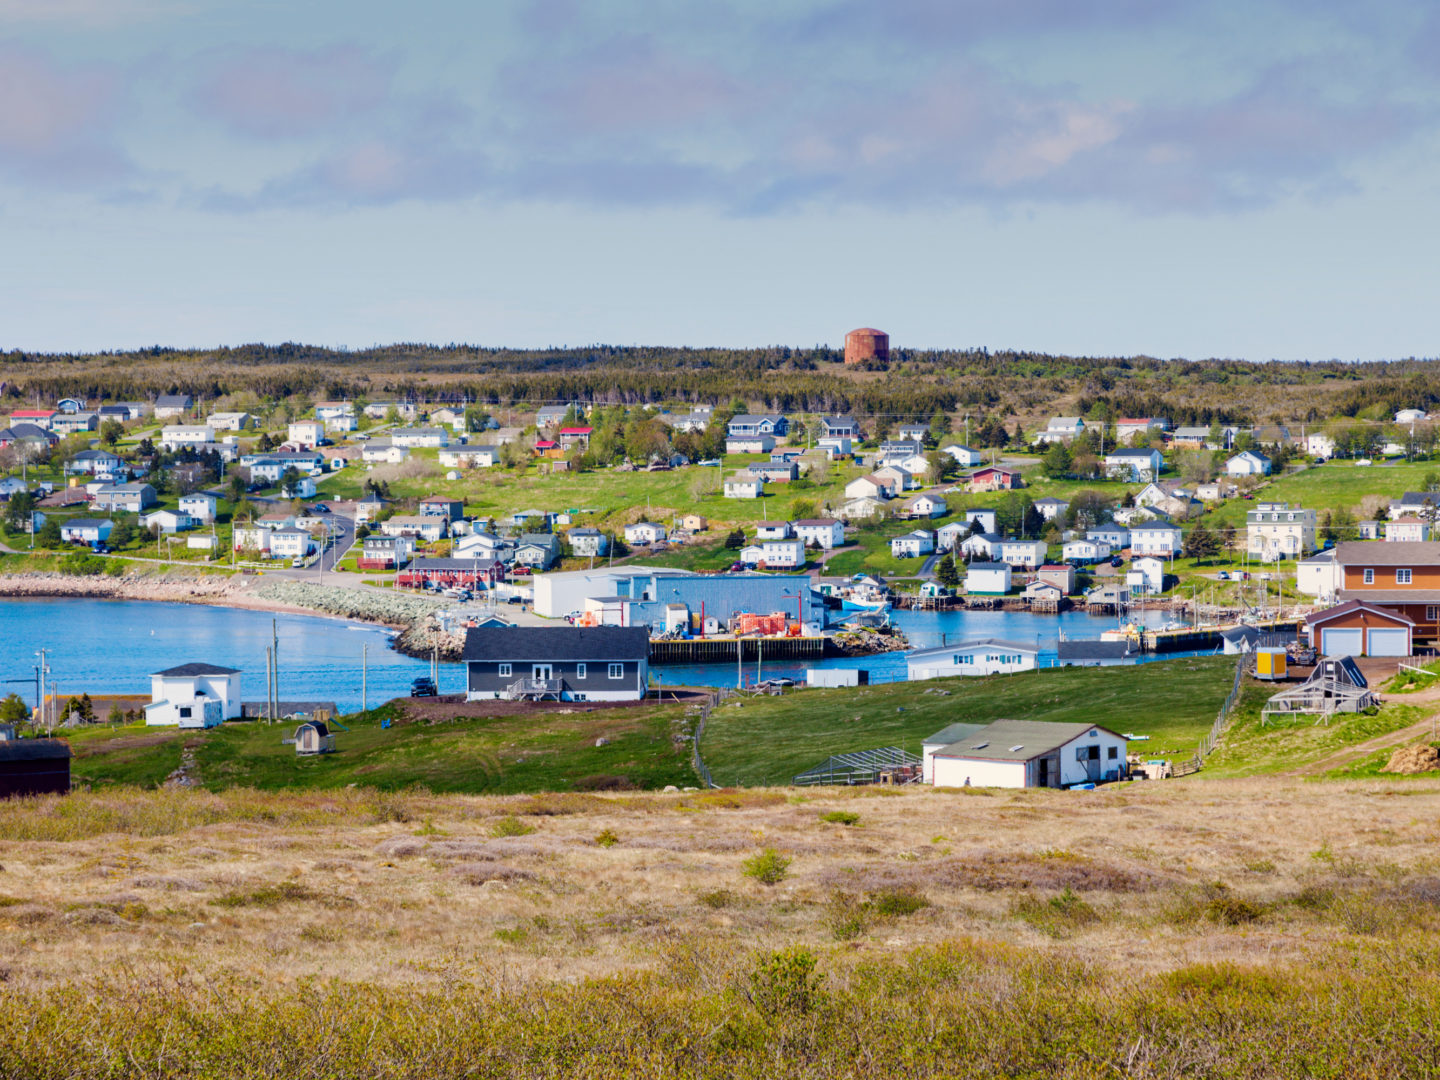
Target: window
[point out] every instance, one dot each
(1113, 753)
(580, 671)
(578, 697)
(617, 671)
(1402, 577)
(1094, 753)
(1432, 613)
(504, 669)
(1369, 577)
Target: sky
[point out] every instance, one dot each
(1251, 179)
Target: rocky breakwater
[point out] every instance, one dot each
(866, 642)
(368, 605)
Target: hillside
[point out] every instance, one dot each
(1261, 928)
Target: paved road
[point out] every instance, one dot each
(927, 569)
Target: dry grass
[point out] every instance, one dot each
(390, 889)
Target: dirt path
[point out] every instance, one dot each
(1404, 736)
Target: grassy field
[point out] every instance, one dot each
(1243, 928)
(769, 740)
(531, 751)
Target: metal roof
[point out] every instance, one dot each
(186, 670)
(33, 749)
(1018, 740)
(1388, 553)
(592, 643)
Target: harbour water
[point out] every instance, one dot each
(113, 646)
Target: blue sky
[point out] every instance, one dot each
(1196, 179)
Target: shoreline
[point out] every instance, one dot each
(226, 592)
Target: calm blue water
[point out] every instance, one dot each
(112, 646)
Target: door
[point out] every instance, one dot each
(1338, 642)
(1044, 778)
(1390, 642)
(542, 671)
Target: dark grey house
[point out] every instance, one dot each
(594, 663)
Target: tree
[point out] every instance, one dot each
(122, 531)
(392, 416)
(735, 540)
(49, 534)
(1201, 544)
(110, 432)
(946, 572)
(1056, 462)
(19, 509)
(13, 709)
(802, 508)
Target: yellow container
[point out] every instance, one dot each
(1271, 664)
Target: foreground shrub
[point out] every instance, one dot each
(769, 867)
(841, 817)
(510, 825)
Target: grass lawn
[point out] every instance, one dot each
(769, 740)
(540, 751)
(1250, 748)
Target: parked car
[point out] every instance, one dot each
(297, 563)
(515, 600)
(1223, 575)
(424, 686)
(1117, 561)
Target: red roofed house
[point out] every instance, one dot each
(548, 448)
(994, 478)
(38, 417)
(574, 436)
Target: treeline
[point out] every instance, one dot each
(917, 383)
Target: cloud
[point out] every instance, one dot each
(56, 123)
(283, 93)
(92, 13)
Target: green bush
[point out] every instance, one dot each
(1059, 915)
(769, 867)
(785, 982)
(510, 825)
(607, 838)
(841, 817)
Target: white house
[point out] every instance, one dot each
(1061, 429)
(1156, 538)
(193, 696)
(586, 541)
(252, 538)
(228, 421)
(1320, 445)
(86, 530)
(168, 406)
(1031, 753)
(131, 497)
(1146, 575)
(967, 457)
(913, 544)
(1321, 575)
(1133, 465)
(305, 433)
(202, 541)
(383, 452)
(93, 462)
(429, 527)
(302, 487)
(1026, 554)
(470, 457)
(644, 532)
(980, 545)
(947, 536)
(1127, 427)
(1085, 551)
(827, 533)
(775, 554)
(987, 578)
(772, 530)
(199, 506)
(835, 446)
(339, 425)
(924, 505)
(420, 436)
(988, 656)
(749, 444)
(989, 521)
(169, 521)
(1409, 416)
(1050, 507)
(290, 543)
(744, 485)
(870, 486)
(1117, 536)
(334, 410)
(176, 436)
(1248, 463)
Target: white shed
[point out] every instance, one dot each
(1030, 753)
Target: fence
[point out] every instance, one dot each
(696, 761)
(1212, 737)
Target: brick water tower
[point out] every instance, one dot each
(867, 344)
